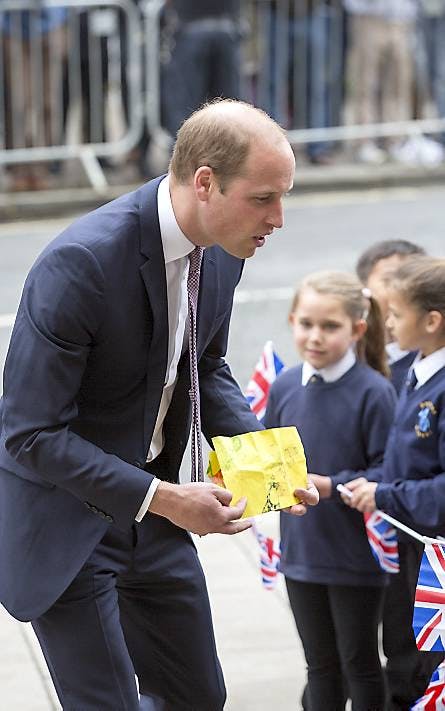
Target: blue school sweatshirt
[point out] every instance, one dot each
(399, 370)
(343, 426)
(413, 471)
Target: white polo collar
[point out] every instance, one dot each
(332, 372)
(425, 368)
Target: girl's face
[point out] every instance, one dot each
(322, 330)
(407, 323)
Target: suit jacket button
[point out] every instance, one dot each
(109, 518)
(137, 463)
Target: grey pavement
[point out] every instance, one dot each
(309, 178)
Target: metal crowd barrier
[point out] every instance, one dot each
(85, 83)
(70, 81)
(294, 67)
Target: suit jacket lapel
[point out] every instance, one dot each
(153, 275)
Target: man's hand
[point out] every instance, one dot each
(363, 495)
(308, 497)
(323, 484)
(199, 507)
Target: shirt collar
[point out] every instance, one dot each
(394, 352)
(174, 242)
(425, 368)
(332, 372)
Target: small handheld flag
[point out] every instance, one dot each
(429, 603)
(434, 697)
(270, 555)
(382, 538)
(265, 372)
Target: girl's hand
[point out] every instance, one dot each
(363, 495)
(308, 497)
(323, 484)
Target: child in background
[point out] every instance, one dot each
(343, 409)
(374, 268)
(412, 479)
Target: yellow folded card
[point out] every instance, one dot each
(265, 466)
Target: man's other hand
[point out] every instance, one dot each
(199, 507)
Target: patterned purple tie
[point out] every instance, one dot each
(192, 291)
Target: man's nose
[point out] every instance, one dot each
(276, 216)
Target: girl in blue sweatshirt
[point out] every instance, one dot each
(343, 409)
(410, 485)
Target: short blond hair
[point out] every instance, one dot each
(218, 138)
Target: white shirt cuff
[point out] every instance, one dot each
(147, 500)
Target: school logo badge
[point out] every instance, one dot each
(423, 426)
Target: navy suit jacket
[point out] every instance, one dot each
(83, 381)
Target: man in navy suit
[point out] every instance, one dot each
(94, 542)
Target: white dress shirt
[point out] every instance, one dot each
(176, 249)
(425, 368)
(332, 372)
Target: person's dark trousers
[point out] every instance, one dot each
(204, 64)
(337, 625)
(408, 671)
(138, 606)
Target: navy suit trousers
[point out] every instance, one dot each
(139, 606)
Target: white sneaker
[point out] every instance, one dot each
(370, 153)
(418, 150)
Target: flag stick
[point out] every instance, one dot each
(343, 490)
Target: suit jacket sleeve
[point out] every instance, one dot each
(58, 319)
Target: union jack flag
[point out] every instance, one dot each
(266, 370)
(434, 696)
(270, 555)
(429, 604)
(382, 538)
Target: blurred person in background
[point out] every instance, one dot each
(203, 61)
(34, 53)
(301, 56)
(374, 268)
(379, 69)
(432, 25)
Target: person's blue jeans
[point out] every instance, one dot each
(434, 43)
(204, 64)
(303, 74)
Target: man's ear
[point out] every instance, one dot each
(434, 321)
(202, 182)
(359, 329)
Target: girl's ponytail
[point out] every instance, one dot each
(371, 347)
